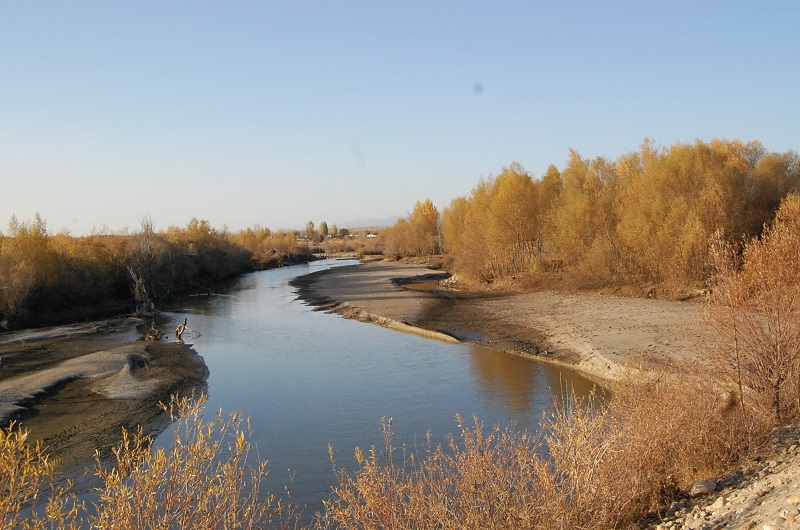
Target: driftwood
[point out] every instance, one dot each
(153, 333)
(181, 329)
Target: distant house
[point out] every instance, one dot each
(371, 236)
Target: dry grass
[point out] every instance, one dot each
(617, 461)
(482, 480)
(593, 466)
(207, 479)
(25, 472)
(203, 481)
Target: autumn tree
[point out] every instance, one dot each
(492, 233)
(396, 239)
(453, 226)
(424, 225)
(547, 199)
(415, 235)
(512, 221)
(27, 264)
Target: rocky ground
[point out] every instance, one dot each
(762, 495)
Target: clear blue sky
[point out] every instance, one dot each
(280, 112)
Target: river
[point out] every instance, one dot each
(307, 379)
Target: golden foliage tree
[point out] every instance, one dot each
(583, 225)
(493, 232)
(415, 235)
(27, 265)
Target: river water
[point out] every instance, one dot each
(307, 379)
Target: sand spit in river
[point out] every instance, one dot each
(600, 335)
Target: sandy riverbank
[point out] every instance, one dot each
(599, 335)
(75, 387)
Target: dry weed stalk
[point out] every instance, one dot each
(206, 479)
(203, 481)
(26, 475)
(593, 466)
(23, 471)
(616, 461)
(484, 480)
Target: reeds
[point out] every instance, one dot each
(204, 480)
(207, 479)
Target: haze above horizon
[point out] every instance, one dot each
(276, 113)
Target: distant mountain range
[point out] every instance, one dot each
(366, 223)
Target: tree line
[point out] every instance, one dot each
(647, 216)
(47, 278)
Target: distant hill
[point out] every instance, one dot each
(368, 223)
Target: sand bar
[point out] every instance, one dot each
(599, 335)
(76, 387)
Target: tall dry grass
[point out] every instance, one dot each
(26, 476)
(592, 466)
(615, 462)
(207, 479)
(478, 480)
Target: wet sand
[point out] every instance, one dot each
(602, 336)
(75, 387)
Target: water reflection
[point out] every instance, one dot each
(507, 377)
(521, 384)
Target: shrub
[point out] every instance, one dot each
(485, 480)
(755, 311)
(593, 465)
(26, 472)
(204, 480)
